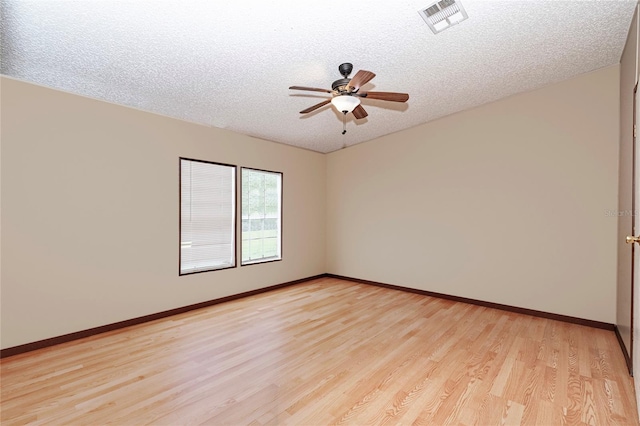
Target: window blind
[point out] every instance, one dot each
(207, 216)
(261, 216)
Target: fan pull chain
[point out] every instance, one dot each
(344, 122)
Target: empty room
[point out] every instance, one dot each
(316, 213)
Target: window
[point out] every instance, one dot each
(207, 216)
(261, 216)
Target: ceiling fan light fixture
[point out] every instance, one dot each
(345, 103)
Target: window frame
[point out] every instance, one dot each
(234, 219)
(260, 262)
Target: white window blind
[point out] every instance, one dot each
(261, 216)
(207, 216)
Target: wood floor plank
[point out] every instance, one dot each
(327, 352)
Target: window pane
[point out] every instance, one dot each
(261, 216)
(207, 216)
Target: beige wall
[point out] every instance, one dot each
(90, 212)
(504, 203)
(628, 78)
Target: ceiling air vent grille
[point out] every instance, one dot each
(443, 14)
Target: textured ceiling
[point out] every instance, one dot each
(229, 64)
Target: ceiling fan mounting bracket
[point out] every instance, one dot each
(345, 69)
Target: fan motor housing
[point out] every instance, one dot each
(340, 83)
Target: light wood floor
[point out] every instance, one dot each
(328, 352)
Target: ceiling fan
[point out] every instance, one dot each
(346, 94)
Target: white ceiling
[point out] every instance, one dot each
(229, 64)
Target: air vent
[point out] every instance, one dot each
(443, 14)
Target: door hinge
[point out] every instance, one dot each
(634, 130)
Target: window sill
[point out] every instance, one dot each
(258, 262)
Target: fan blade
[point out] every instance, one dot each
(359, 112)
(312, 89)
(386, 96)
(361, 78)
(315, 107)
